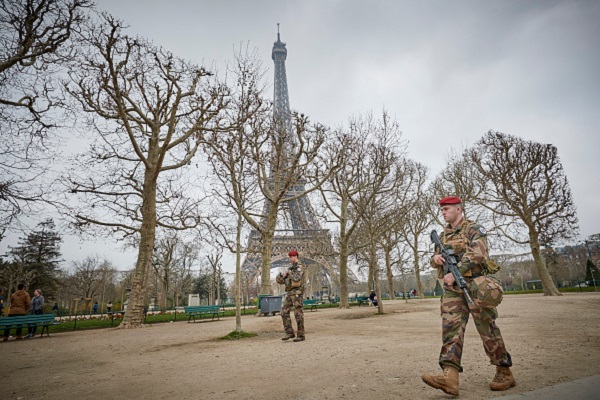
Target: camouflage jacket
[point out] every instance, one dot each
(294, 282)
(469, 242)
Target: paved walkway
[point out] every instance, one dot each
(581, 389)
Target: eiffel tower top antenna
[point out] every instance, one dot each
(281, 98)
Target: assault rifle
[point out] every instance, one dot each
(450, 265)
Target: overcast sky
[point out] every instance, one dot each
(448, 71)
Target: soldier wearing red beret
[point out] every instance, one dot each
(293, 279)
(469, 242)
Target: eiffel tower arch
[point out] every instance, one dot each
(298, 228)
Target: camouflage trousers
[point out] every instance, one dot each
(455, 315)
(295, 301)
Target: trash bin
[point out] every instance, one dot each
(270, 304)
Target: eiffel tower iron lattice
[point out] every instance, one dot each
(302, 231)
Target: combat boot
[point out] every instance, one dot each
(503, 380)
(288, 336)
(446, 381)
(299, 338)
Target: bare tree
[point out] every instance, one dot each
(34, 38)
(163, 264)
(403, 264)
(35, 42)
(280, 157)
(214, 261)
(88, 277)
(360, 152)
(350, 149)
(285, 160)
(16, 271)
(233, 165)
(524, 181)
(418, 218)
(187, 258)
(459, 178)
(386, 209)
(148, 110)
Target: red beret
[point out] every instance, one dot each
(446, 201)
(293, 253)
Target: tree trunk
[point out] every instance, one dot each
(8, 297)
(134, 316)
(375, 275)
(547, 282)
(343, 273)
(267, 251)
(238, 273)
(218, 299)
(373, 280)
(417, 261)
(379, 297)
(265, 277)
(390, 276)
(343, 256)
(213, 286)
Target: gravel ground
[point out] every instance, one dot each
(349, 354)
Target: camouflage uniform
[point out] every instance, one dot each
(469, 242)
(294, 298)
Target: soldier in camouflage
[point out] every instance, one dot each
(469, 242)
(293, 279)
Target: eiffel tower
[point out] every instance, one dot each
(301, 230)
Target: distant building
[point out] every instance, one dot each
(581, 251)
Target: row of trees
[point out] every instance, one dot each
(157, 122)
(171, 280)
(177, 271)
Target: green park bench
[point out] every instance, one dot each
(29, 321)
(199, 311)
(311, 304)
(362, 300)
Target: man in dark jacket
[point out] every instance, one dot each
(19, 305)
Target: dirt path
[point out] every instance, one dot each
(349, 354)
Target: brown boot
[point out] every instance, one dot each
(446, 381)
(299, 338)
(288, 336)
(503, 380)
